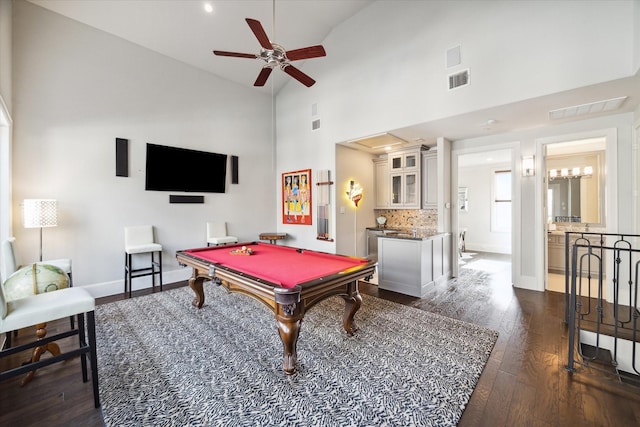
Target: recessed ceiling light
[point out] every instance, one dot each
(208, 8)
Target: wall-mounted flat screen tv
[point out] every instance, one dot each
(181, 169)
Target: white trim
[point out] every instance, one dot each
(635, 172)
(6, 127)
(528, 282)
(115, 287)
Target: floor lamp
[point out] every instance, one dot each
(40, 213)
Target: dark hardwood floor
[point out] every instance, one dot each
(523, 384)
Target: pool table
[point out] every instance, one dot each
(288, 280)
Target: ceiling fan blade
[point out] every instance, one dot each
(306, 53)
(298, 75)
(234, 54)
(263, 76)
(259, 32)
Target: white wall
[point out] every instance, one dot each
(636, 38)
(76, 90)
(385, 69)
(351, 222)
(477, 220)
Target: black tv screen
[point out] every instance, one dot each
(181, 169)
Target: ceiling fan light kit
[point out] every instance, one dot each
(275, 55)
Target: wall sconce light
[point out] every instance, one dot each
(354, 192)
(528, 166)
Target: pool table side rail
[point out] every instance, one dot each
(312, 291)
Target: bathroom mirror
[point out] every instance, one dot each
(575, 188)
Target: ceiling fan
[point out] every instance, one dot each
(274, 55)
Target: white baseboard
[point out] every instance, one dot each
(527, 282)
(482, 247)
(105, 289)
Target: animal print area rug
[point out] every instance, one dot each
(163, 362)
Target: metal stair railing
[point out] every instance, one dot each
(613, 320)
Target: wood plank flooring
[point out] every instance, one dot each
(523, 384)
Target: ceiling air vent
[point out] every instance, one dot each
(458, 79)
(315, 124)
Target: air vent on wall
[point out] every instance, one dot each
(459, 79)
(315, 124)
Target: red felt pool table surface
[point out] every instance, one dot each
(282, 265)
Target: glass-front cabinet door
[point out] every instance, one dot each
(397, 162)
(396, 189)
(411, 189)
(405, 189)
(404, 161)
(410, 161)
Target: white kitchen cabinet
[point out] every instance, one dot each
(412, 265)
(404, 160)
(429, 172)
(381, 174)
(405, 179)
(405, 190)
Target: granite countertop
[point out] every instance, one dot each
(576, 230)
(408, 234)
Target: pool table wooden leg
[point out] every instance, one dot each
(196, 285)
(352, 303)
(289, 329)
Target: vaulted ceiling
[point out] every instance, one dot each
(185, 31)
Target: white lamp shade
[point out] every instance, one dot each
(39, 213)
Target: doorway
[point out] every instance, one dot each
(575, 182)
(550, 222)
(484, 212)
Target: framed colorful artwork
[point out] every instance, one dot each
(296, 197)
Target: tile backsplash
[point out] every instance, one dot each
(424, 219)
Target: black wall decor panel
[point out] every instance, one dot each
(174, 198)
(122, 157)
(234, 169)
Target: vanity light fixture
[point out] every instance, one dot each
(528, 166)
(574, 172)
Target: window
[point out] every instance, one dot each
(501, 206)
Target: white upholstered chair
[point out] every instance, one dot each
(217, 234)
(45, 307)
(10, 264)
(141, 240)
